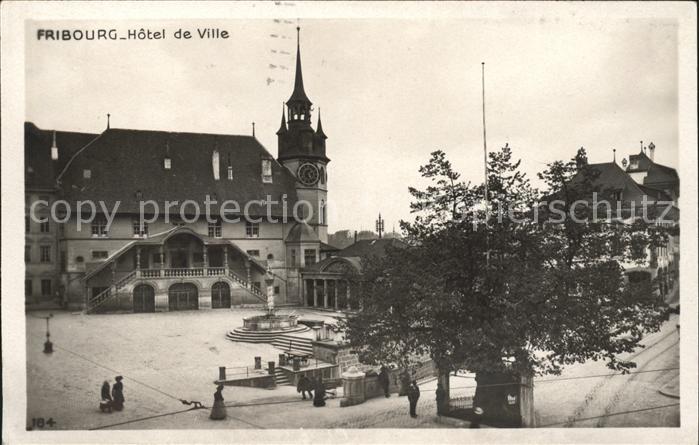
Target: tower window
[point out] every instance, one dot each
(309, 256)
(254, 252)
(44, 226)
(87, 173)
(230, 173)
(167, 163)
(252, 230)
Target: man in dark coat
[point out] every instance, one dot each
(319, 397)
(384, 380)
(413, 396)
(441, 398)
(404, 382)
(305, 386)
(106, 402)
(118, 394)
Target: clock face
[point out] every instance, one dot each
(308, 174)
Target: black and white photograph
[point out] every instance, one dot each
(351, 222)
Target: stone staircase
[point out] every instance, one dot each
(280, 378)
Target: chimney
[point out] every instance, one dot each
(651, 149)
(54, 148)
(355, 236)
(215, 164)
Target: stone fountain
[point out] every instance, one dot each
(262, 328)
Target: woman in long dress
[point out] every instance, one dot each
(106, 400)
(218, 412)
(118, 394)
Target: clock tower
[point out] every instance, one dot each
(302, 151)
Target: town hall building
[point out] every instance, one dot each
(178, 258)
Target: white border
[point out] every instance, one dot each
(14, 377)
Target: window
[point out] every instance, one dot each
(293, 257)
(230, 173)
(215, 229)
(270, 257)
(99, 226)
(45, 256)
(140, 228)
(252, 230)
(167, 163)
(266, 170)
(322, 175)
(99, 254)
(27, 254)
(44, 226)
(276, 290)
(309, 256)
(87, 173)
(79, 259)
(254, 252)
(618, 195)
(46, 287)
(28, 287)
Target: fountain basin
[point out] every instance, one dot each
(269, 322)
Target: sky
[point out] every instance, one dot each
(391, 91)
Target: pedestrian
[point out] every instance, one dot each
(305, 386)
(384, 381)
(477, 415)
(218, 412)
(319, 397)
(413, 396)
(106, 398)
(441, 396)
(118, 394)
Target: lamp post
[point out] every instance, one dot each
(48, 346)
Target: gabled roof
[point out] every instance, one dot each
(611, 177)
(123, 162)
(641, 160)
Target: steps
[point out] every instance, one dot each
(297, 343)
(280, 378)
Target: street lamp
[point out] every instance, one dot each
(48, 346)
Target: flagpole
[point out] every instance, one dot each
(485, 166)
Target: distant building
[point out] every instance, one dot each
(329, 285)
(643, 180)
(176, 261)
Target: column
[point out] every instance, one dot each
(138, 258)
(162, 257)
(315, 293)
(205, 254)
(225, 258)
(337, 284)
(348, 296)
(325, 293)
(304, 290)
(247, 272)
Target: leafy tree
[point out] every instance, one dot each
(509, 290)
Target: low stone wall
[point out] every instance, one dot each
(259, 381)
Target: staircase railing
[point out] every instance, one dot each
(107, 295)
(243, 282)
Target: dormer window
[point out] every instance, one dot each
(634, 165)
(230, 173)
(618, 195)
(87, 173)
(266, 170)
(167, 163)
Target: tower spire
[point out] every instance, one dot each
(319, 129)
(298, 95)
(282, 127)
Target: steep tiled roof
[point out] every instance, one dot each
(40, 169)
(128, 166)
(302, 233)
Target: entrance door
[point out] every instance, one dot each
(143, 298)
(220, 295)
(183, 296)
